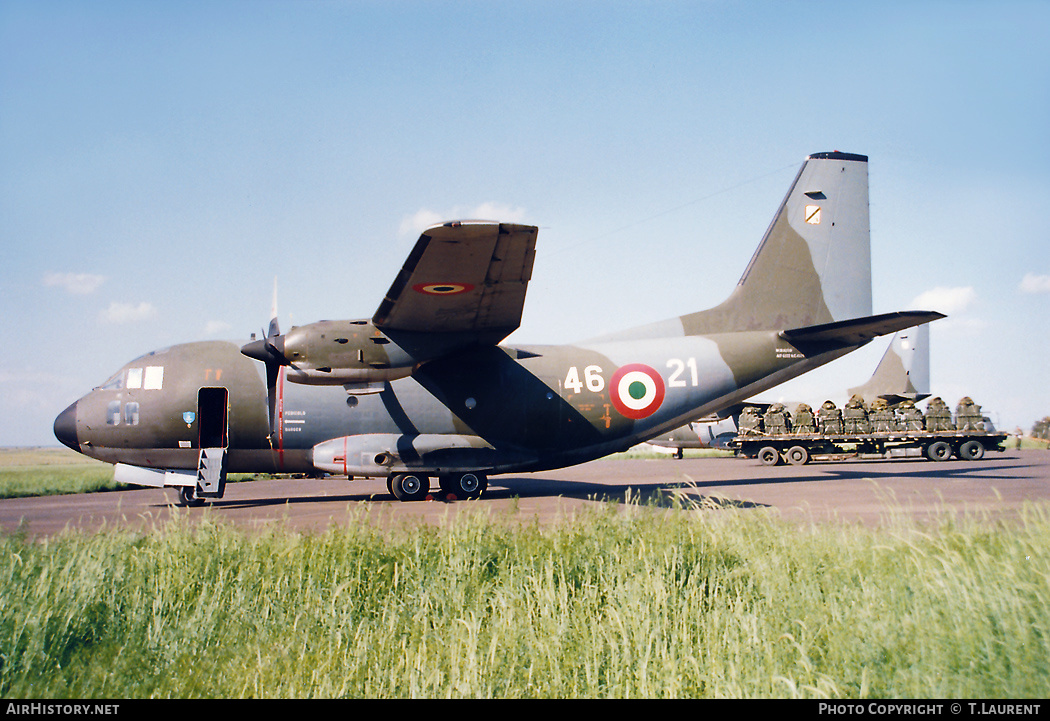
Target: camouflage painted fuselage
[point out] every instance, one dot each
(530, 407)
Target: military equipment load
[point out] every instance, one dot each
(881, 431)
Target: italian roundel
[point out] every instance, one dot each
(637, 391)
(442, 288)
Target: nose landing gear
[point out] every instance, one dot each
(190, 496)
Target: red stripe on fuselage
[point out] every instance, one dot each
(280, 417)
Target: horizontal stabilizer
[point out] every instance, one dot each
(856, 331)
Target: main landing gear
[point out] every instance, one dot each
(416, 487)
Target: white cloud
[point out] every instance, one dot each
(128, 312)
(418, 221)
(424, 218)
(215, 327)
(75, 283)
(949, 301)
(1032, 283)
(500, 212)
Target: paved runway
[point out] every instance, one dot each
(857, 491)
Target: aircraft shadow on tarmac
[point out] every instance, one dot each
(673, 494)
(656, 494)
(661, 494)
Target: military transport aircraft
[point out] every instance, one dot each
(902, 374)
(423, 389)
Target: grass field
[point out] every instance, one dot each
(55, 471)
(626, 603)
(51, 471)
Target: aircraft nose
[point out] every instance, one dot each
(66, 427)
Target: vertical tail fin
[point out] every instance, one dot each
(814, 263)
(904, 371)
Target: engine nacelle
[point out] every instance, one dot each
(337, 352)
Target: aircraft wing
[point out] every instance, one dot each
(464, 279)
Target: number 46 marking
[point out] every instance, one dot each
(592, 375)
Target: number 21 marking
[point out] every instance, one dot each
(675, 381)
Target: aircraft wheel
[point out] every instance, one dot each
(798, 455)
(465, 485)
(188, 496)
(971, 451)
(939, 451)
(409, 486)
(769, 456)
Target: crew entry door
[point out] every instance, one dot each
(212, 439)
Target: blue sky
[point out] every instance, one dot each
(162, 162)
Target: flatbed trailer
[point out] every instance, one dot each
(800, 448)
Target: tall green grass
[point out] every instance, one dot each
(59, 471)
(626, 602)
(23, 481)
(51, 471)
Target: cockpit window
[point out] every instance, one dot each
(131, 414)
(150, 378)
(134, 378)
(154, 378)
(115, 383)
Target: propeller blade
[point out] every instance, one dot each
(270, 351)
(275, 329)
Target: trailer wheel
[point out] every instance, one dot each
(769, 456)
(939, 451)
(798, 455)
(971, 451)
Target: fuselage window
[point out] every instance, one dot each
(113, 413)
(131, 414)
